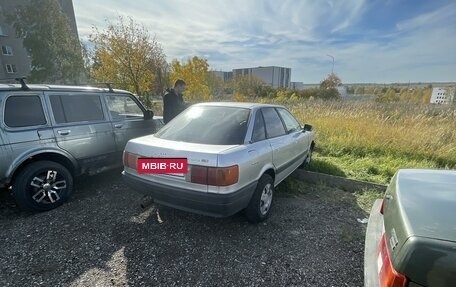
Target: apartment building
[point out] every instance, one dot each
(443, 95)
(225, 76)
(276, 77)
(14, 59)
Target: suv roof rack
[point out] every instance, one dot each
(108, 85)
(24, 86)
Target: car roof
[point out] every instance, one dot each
(428, 200)
(45, 87)
(238, 105)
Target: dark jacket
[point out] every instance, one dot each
(173, 104)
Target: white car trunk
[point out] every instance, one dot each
(196, 154)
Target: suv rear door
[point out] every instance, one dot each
(81, 128)
(25, 124)
(128, 121)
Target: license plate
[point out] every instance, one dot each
(171, 166)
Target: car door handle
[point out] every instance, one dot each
(118, 126)
(64, 132)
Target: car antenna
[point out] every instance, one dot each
(24, 86)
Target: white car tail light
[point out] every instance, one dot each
(216, 176)
(130, 160)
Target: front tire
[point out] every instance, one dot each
(42, 186)
(260, 204)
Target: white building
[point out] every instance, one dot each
(443, 95)
(225, 76)
(276, 77)
(297, 85)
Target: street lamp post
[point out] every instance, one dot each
(332, 70)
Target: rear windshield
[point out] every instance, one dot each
(208, 125)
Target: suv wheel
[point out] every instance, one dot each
(260, 205)
(42, 185)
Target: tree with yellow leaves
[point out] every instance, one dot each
(127, 56)
(195, 74)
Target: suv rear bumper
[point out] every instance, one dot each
(211, 204)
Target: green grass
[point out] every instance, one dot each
(371, 141)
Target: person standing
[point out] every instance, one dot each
(173, 101)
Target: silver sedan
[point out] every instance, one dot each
(217, 159)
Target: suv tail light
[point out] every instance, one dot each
(130, 159)
(217, 176)
(388, 276)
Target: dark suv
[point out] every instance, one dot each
(50, 134)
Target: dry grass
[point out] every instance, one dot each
(370, 141)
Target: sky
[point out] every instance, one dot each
(371, 41)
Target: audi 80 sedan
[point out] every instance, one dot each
(235, 155)
(411, 233)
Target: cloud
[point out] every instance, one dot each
(408, 45)
(441, 16)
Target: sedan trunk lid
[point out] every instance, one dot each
(419, 213)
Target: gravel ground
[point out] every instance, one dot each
(103, 237)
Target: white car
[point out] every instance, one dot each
(235, 155)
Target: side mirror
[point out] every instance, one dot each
(148, 114)
(307, 128)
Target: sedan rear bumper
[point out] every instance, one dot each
(373, 235)
(211, 204)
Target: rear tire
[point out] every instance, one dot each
(260, 204)
(42, 186)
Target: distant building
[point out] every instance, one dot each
(443, 95)
(276, 77)
(14, 59)
(225, 76)
(296, 85)
(342, 90)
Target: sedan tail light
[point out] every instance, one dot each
(388, 276)
(130, 159)
(217, 176)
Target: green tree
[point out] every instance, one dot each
(195, 74)
(216, 84)
(331, 81)
(54, 49)
(126, 55)
(245, 87)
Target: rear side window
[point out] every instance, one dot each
(24, 111)
(76, 108)
(274, 125)
(259, 132)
